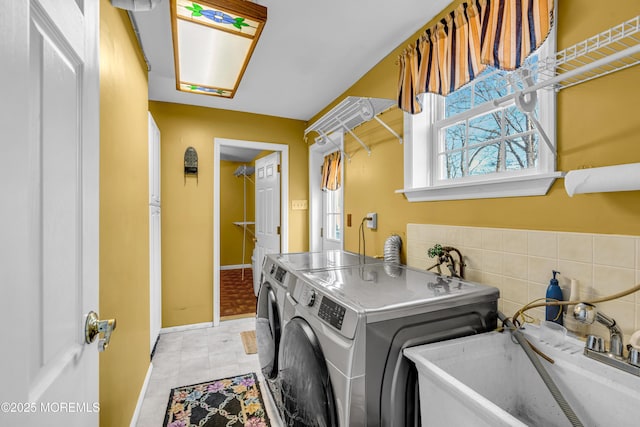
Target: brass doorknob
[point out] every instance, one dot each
(94, 326)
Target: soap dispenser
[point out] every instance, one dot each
(554, 293)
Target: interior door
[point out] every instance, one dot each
(155, 267)
(49, 170)
(326, 221)
(267, 210)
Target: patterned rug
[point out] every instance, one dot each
(229, 402)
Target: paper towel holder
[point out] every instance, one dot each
(625, 177)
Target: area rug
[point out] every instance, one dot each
(228, 402)
(249, 342)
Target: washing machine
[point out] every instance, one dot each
(278, 271)
(340, 358)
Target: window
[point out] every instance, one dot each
(333, 216)
(473, 144)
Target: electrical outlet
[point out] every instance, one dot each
(373, 222)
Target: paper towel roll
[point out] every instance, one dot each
(608, 178)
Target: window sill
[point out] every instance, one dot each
(522, 186)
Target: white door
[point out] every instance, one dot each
(326, 221)
(155, 269)
(267, 210)
(49, 190)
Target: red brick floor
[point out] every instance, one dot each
(236, 295)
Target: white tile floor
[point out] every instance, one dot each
(195, 356)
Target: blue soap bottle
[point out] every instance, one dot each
(554, 292)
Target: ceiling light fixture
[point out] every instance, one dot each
(212, 43)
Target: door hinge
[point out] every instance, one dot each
(278, 168)
(278, 230)
(321, 232)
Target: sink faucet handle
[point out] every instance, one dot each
(595, 343)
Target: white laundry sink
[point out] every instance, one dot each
(487, 380)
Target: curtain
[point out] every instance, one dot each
(332, 171)
(478, 33)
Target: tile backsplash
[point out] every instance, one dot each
(519, 263)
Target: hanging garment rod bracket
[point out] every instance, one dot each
(326, 138)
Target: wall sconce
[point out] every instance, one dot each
(190, 163)
(212, 43)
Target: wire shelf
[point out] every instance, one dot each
(607, 52)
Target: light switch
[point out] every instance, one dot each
(299, 205)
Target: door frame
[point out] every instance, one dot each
(218, 143)
(316, 154)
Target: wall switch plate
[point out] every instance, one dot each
(299, 205)
(373, 222)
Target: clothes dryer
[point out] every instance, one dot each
(341, 362)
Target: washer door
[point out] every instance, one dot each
(307, 395)
(268, 330)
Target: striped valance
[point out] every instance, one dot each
(332, 171)
(478, 33)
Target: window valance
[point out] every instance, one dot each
(332, 171)
(477, 34)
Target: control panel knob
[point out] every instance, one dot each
(310, 297)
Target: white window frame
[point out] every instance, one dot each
(421, 181)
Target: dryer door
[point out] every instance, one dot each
(307, 395)
(268, 330)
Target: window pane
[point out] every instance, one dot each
(458, 101)
(484, 160)
(516, 121)
(454, 136)
(522, 152)
(454, 165)
(491, 87)
(485, 128)
(333, 228)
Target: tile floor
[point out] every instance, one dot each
(199, 355)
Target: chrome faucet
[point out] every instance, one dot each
(587, 313)
(594, 348)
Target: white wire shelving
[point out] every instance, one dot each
(350, 113)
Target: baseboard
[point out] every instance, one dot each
(143, 391)
(235, 267)
(185, 327)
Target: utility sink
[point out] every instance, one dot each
(488, 380)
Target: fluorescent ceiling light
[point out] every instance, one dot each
(212, 43)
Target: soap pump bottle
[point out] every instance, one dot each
(554, 292)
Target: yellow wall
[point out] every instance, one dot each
(124, 216)
(187, 209)
(597, 126)
(231, 206)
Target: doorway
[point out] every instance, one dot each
(222, 146)
(326, 220)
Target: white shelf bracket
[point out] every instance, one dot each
(325, 137)
(346, 128)
(387, 127)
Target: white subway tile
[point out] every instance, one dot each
(575, 247)
(542, 244)
(616, 251)
(514, 241)
(516, 290)
(611, 280)
(454, 236)
(582, 272)
(472, 237)
(492, 239)
(540, 269)
(515, 266)
(472, 258)
(492, 262)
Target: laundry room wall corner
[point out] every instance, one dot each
(124, 216)
(187, 206)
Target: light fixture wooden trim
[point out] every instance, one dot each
(239, 8)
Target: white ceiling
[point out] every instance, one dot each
(238, 154)
(309, 53)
